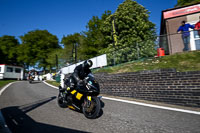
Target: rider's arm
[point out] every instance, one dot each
(75, 75)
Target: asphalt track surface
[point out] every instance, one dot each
(32, 108)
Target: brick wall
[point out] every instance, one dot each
(164, 85)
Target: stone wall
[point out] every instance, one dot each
(164, 85)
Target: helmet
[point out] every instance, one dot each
(87, 64)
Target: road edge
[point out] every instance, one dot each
(50, 85)
(4, 88)
(3, 126)
(143, 104)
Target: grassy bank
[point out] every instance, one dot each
(5, 82)
(53, 83)
(186, 61)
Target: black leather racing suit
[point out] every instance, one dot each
(80, 72)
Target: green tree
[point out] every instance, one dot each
(71, 43)
(61, 55)
(36, 45)
(94, 41)
(8, 50)
(135, 33)
(186, 2)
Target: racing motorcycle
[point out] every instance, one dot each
(31, 78)
(83, 99)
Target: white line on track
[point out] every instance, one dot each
(4, 88)
(50, 85)
(154, 106)
(149, 105)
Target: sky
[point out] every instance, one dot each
(64, 17)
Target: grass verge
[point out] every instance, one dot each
(53, 83)
(186, 61)
(5, 82)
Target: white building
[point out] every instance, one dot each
(11, 72)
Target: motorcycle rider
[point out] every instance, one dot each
(32, 73)
(80, 72)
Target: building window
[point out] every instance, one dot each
(197, 40)
(9, 69)
(17, 70)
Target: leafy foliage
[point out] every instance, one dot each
(186, 61)
(134, 30)
(8, 50)
(94, 38)
(72, 42)
(35, 47)
(186, 2)
(61, 58)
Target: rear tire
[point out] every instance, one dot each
(61, 101)
(95, 110)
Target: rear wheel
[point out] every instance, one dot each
(61, 101)
(92, 108)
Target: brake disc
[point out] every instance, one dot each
(90, 108)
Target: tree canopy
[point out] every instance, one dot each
(35, 47)
(186, 2)
(94, 38)
(9, 50)
(71, 43)
(135, 33)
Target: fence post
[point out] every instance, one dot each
(138, 56)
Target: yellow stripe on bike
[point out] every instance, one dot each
(68, 88)
(73, 92)
(71, 107)
(89, 98)
(78, 96)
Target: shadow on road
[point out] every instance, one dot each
(35, 82)
(101, 111)
(19, 122)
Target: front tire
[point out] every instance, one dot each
(61, 101)
(93, 110)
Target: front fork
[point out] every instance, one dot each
(88, 102)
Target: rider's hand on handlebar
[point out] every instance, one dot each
(80, 82)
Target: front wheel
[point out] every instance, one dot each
(91, 108)
(61, 101)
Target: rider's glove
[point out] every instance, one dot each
(80, 83)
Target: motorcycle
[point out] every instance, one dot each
(31, 78)
(83, 99)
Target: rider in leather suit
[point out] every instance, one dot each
(80, 72)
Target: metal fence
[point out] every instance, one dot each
(171, 43)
